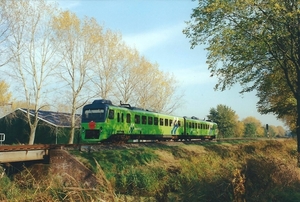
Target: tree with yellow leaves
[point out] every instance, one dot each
(33, 48)
(128, 75)
(5, 98)
(107, 61)
(78, 41)
(255, 124)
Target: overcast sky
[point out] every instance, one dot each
(154, 28)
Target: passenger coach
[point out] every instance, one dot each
(103, 121)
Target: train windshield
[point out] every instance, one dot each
(93, 115)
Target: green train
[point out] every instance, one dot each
(102, 121)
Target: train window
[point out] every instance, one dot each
(122, 117)
(201, 126)
(166, 122)
(128, 118)
(170, 122)
(190, 125)
(137, 119)
(161, 121)
(155, 121)
(198, 125)
(118, 117)
(193, 125)
(150, 120)
(93, 114)
(111, 114)
(144, 120)
(179, 123)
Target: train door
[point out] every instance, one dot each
(184, 126)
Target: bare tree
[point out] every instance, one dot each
(156, 90)
(128, 75)
(5, 24)
(145, 90)
(141, 83)
(78, 39)
(107, 61)
(33, 49)
(167, 96)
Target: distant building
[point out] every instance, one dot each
(53, 127)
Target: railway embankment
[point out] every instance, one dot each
(188, 171)
(71, 171)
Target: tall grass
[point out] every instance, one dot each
(250, 171)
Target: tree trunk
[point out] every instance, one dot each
(73, 125)
(32, 135)
(298, 141)
(71, 140)
(298, 129)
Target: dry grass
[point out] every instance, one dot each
(253, 171)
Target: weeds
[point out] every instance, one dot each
(250, 171)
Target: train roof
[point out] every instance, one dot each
(128, 106)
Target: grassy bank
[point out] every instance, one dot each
(251, 171)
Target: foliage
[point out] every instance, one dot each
(226, 119)
(32, 47)
(281, 131)
(272, 98)
(255, 44)
(273, 131)
(250, 130)
(5, 98)
(229, 26)
(77, 49)
(108, 60)
(290, 121)
(57, 59)
(253, 127)
(239, 129)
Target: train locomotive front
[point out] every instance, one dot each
(94, 121)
